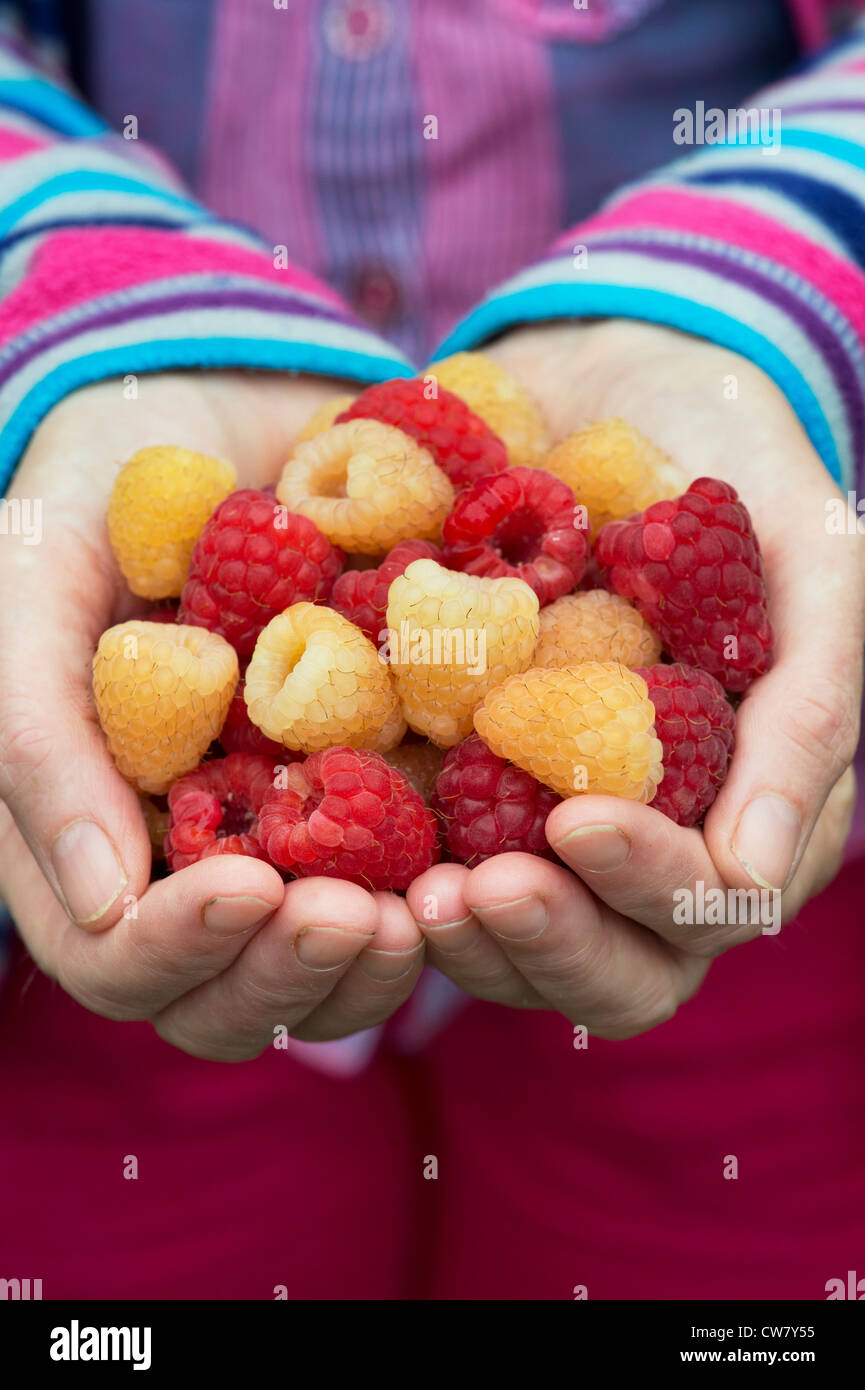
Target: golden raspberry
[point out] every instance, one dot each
(159, 503)
(162, 693)
(501, 402)
(367, 485)
(613, 470)
(315, 681)
(595, 626)
(587, 728)
(451, 638)
(419, 763)
(157, 822)
(322, 418)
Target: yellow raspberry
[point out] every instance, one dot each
(595, 626)
(451, 638)
(322, 418)
(315, 681)
(614, 471)
(587, 728)
(419, 763)
(157, 822)
(162, 693)
(367, 485)
(159, 503)
(501, 402)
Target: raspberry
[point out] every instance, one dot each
(347, 814)
(614, 471)
(240, 735)
(459, 441)
(325, 416)
(489, 806)
(254, 559)
(214, 810)
(594, 626)
(361, 595)
(161, 613)
(162, 692)
(156, 819)
(420, 764)
(587, 728)
(523, 523)
(315, 681)
(451, 638)
(692, 566)
(695, 723)
(160, 501)
(366, 486)
(500, 401)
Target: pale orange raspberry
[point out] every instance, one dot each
(159, 503)
(595, 626)
(367, 485)
(501, 402)
(587, 728)
(451, 638)
(322, 418)
(419, 763)
(162, 693)
(315, 681)
(613, 471)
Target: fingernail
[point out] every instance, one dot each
(452, 938)
(89, 872)
(388, 966)
(595, 849)
(522, 919)
(230, 916)
(326, 948)
(766, 840)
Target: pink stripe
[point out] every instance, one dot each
(675, 210)
(492, 178)
(255, 161)
(15, 142)
(72, 267)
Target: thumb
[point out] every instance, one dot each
(81, 820)
(797, 728)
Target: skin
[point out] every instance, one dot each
(220, 954)
(599, 944)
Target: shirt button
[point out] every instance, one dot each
(376, 294)
(357, 29)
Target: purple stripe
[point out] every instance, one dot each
(820, 106)
(823, 338)
(218, 299)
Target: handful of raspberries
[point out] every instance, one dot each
(437, 628)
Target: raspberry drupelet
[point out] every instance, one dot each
(695, 722)
(488, 806)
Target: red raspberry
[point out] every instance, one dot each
(522, 523)
(214, 810)
(252, 560)
(240, 735)
(345, 813)
(489, 806)
(459, 441)
(361, 595)
(162, 613)
(695, 722)
(692, 566)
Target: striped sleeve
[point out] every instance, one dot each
(108, 267)
(757, 243)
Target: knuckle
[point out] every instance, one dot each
(207, 1048)
(657, 1005)
(823, 722)
(25, 748)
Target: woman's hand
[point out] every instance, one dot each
(603, 947)
(222, 953)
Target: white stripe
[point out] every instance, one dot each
(72, 157)
(812, 163)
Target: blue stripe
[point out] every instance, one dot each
(269, 354)
(793, 138)
(617, 301)
(51, 105)
(842, 213)
(87, 181)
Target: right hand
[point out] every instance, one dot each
(220, 954)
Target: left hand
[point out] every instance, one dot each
(600, 945)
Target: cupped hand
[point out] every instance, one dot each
(222, 953)
(604, 944)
